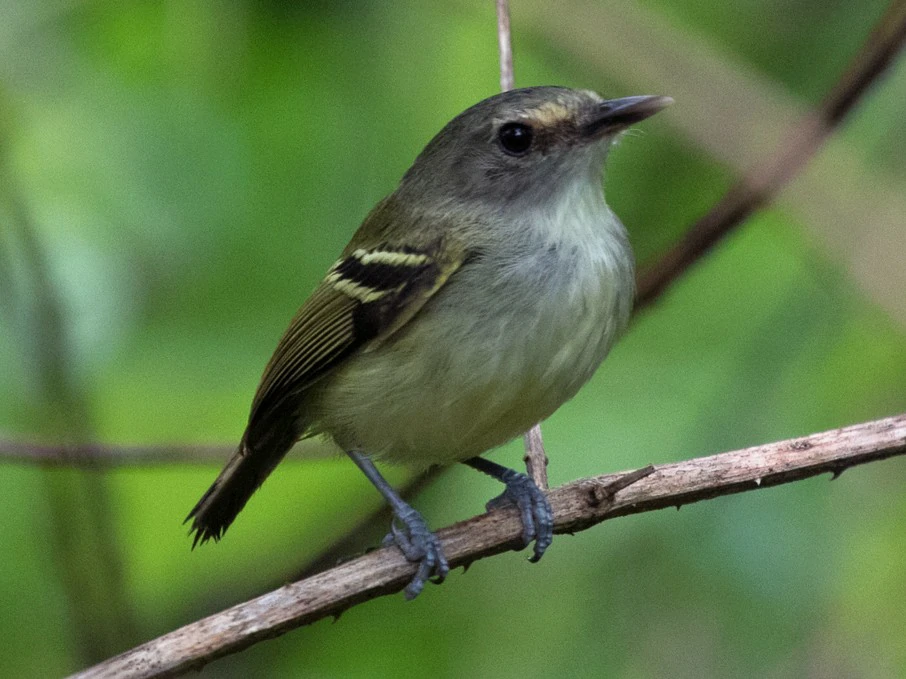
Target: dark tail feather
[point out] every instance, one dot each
(226, 497)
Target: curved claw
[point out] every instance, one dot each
(397, 536)
(418, 544)
(534, 509)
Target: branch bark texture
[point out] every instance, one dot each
(577, 506)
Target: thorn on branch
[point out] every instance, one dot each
(838, 471)
(599, 494)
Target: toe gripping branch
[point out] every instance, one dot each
(522, 493)
(408, 531)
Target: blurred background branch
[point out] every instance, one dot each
(83, 540)
(535, 458)
(720, 98)
(98, 456)
(505, 45)
(761, 184)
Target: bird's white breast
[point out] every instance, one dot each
(509, 338)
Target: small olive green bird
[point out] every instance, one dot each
(471, 303)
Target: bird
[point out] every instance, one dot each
(471, 303)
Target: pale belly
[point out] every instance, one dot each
(478, 374)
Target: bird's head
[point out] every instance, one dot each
(524, 145)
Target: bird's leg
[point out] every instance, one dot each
(521, 492)
(413, 537)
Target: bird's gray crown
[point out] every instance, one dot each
(523, 142)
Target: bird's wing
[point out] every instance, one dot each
(366, 296)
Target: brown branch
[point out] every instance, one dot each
(505, 45)
(577, 506)
(102, 455)
(535, 458)
(764, 182)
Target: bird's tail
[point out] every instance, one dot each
(243, 474)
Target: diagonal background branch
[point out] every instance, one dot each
(577, 506)
(803, 141)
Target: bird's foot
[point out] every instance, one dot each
(534, 508)
(411, 534)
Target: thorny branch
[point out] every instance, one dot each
(577, 506)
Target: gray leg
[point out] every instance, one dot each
(521, 491)
(414, 538)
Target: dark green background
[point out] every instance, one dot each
(177, 176)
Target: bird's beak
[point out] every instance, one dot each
(614, 115)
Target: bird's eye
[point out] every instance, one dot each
(515, 138)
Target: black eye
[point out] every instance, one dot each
(515, 138)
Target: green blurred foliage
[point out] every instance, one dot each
(189, 170)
